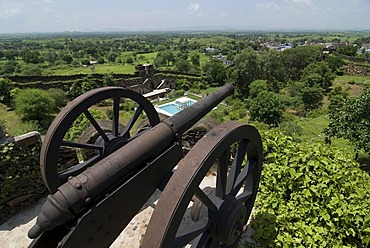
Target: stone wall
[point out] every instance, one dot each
(356, 70)
(21, 183)
(27, 79)
(20, 178)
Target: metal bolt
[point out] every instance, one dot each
(78, 186)
(59, 244)
(87, 200)
(70, 177)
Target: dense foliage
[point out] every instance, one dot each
(266, 107)
(350, 119)
(5, 87)
(34, 105)
(310, 195)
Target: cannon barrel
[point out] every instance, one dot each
(81, 191)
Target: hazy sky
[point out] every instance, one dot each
(136, 15)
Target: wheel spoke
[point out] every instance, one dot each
(223, 163)
(191, 232)
(242, 177)
(115, 120)
(236, 166)
(201, 241)
(77, 169)
(243, 197)
(96, 125)
(132, 121)
(81, 145)
(205, 199)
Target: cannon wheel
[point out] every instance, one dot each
(219, 214)
(108, 141)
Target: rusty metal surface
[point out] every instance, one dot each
(227, 208)
(106, 220)
(84, 191)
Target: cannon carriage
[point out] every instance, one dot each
(92, 201)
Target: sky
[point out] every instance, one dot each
(26, 16)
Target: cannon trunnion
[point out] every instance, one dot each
(92, 201)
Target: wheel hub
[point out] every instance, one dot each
(112, 145)
(228, 222)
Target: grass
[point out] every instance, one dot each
(313, 132)
(357, 79)
(353, 85)
(12, 122)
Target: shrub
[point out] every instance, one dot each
(5, 87)
(267, 108)
(34, 105)
(59, 96)
(318, 196)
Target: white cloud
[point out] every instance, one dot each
(299, 2)
(269, 5)
(224, 14)
(195, 9)
(9, 10)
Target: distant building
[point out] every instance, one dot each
(210, 50)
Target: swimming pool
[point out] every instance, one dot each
(176, 106)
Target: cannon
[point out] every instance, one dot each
(92, 201)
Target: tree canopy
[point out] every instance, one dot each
(350, 118)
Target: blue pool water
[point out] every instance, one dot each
(172, 108)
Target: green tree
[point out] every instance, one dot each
(182, 66)
(33, 57)
(34, 105)
(256, 87)
(324, 76)
(31, 70)
(10, 54)
(349, 50)
(297, 59)
(59, 97)
(335, 63)
(311, 96)
(112, 56)
(9, 67)
(267, 108)
(67, 58)
(215, 72)
(129, 60)
(245, 70)
(168, 57)
(272, 66)
(195, 59)
(350, 119)
(6, 86)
